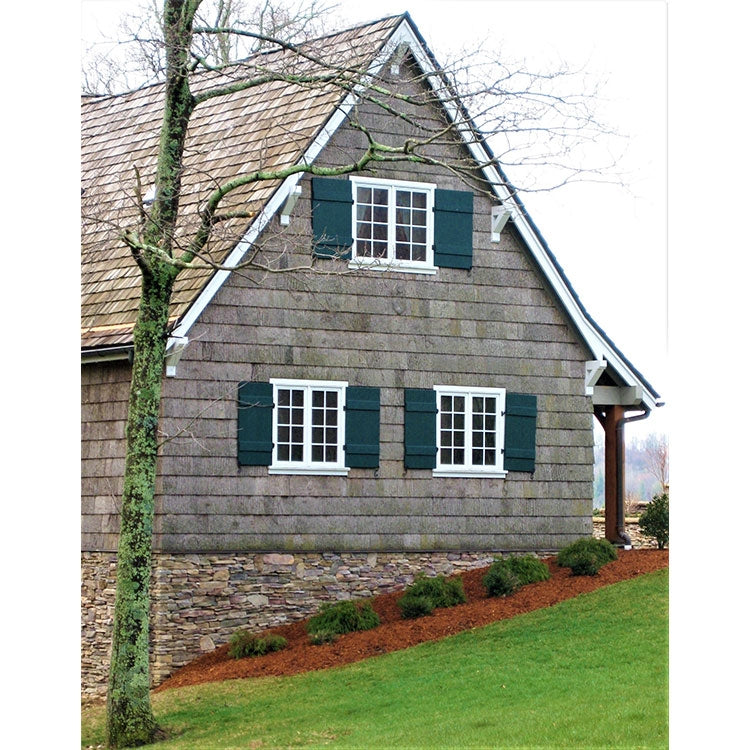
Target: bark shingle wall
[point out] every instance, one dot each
(495, 325)
(104, 399)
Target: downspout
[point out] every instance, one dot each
(620, 448)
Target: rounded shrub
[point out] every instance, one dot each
(343, 617)
(508, 574)
(500, 580)
(437, 591)
(654, 521)
(415, 606)
(602, 550)
(243, 644)
(584, 564)
(528, 569)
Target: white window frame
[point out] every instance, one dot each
(390, 262)
(467, 469)
(307, 465)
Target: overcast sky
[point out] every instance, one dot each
(610, 240)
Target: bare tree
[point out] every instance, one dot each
(165, 240)
(656, 451)
(137, 56)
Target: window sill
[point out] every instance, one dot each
(365, 264)
(311, 471)
(468, 474)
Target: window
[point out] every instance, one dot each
(393, 224)
(308, 426)
(470, 431)
(308, 421)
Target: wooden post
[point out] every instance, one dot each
(612, 435)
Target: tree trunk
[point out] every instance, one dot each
(130, 721)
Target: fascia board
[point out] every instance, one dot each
(598, 346)
(279, 198)
(404, 33)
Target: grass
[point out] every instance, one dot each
(590, 672)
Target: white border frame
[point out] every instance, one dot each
(467, 470)
(308, 466)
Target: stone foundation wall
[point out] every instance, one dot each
(198, 601)
(632, 528)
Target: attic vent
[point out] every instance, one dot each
(398, 58)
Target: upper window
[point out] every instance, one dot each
(308, 426)
(470, 435)
(393, 223)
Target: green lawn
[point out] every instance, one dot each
(591, 672)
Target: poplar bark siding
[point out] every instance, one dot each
(104, 403)
(495, 325)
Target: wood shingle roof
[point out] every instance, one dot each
(269, 126)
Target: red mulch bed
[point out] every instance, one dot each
(394, 633)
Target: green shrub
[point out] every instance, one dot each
(508, 574)
(343, 617)
(425, 594)
(243, 644)
(602, 550)
(500, 580)
(584, 564)
(415, 606)
(654, 521)
(528, 568)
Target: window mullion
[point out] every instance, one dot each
(307, 427)
(468, 427)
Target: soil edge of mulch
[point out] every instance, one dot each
(395, 633)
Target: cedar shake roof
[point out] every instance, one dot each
(268, 126)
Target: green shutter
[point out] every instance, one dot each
(332, 217)
(255, 424)
(362, 432)
(454, 224)
(520, 432)
(420, 441)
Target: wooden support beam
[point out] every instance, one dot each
(612, 435)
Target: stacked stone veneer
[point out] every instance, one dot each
(198, 601)
(639, 540)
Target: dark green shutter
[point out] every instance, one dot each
(520, 432)
(454, 224)
(420, 441)
(362, 433)
(332, 217)
(255, 424)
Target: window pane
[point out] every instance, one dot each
(403, 198)
(283, 452)
(298, 398)
(403, 252)
(296, 453)
(419, 199)
(331, 454)
(380, 196)
(284, 396)
(318, 398)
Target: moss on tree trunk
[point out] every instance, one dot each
(130, 721)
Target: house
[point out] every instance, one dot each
(422, 401)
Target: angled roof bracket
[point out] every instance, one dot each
(175, 346)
